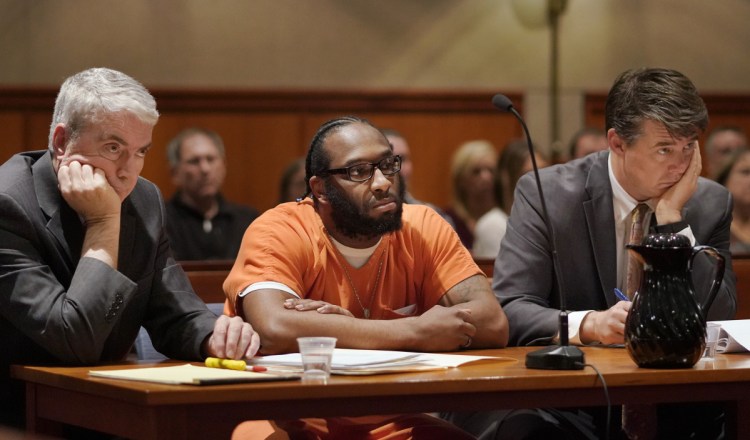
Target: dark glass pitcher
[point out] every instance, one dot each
(666, 327)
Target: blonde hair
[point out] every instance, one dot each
(463, 160)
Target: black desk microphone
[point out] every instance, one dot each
(554, 357)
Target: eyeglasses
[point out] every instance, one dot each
(363, 172)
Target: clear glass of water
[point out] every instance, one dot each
(317, 352)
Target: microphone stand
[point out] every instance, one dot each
(562, 356)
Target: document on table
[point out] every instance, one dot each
(190, 375)
(364, 362)
(734, 336)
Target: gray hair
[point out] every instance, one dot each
(87, 97)
(660, 95)
(174, 146)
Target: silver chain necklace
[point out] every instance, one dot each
(365, 310)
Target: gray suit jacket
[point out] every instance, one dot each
(579, 201)
(56, 307)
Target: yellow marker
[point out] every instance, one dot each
(226, 363)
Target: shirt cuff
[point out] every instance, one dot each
(681, 227)
(574, 326)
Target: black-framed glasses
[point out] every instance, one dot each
(363, 172)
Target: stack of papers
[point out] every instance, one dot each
(363, 362)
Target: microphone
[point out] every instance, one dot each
(554, 357)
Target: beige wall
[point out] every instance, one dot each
(376, 44)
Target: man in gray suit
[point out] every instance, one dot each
(653, 119)
(84, 259)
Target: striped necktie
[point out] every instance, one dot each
(635, 236)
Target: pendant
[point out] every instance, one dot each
(367, 313)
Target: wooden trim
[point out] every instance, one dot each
(191, 100)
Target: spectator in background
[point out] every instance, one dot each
(292, 185)
(514, 162)
(586, 141)
(201, 224)
(736, 177)
(720, 144)
(473, 181)
(401, 148)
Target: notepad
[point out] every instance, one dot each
(190, 375)
(364, 362)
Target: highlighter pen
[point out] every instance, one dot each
(621, 296)
(230, 364)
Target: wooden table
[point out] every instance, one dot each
(143, 410)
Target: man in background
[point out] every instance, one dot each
(401, 148)
(201, 224)
(586, 141)
(720, 144)
(84, 259)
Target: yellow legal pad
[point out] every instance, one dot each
(190, 375)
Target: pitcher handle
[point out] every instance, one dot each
(719, 274)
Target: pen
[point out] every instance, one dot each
(621, 296)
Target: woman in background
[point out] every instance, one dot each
(473, 181)
(514, 162)
(735, 175)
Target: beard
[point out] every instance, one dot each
(354, 222)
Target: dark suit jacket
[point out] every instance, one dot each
(579, 201)
(56, 307)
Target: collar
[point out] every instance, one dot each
(622, 202)
(356, 257)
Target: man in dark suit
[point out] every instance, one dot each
(653, 119)
(84, 259)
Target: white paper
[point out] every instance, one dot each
(360, 362)
(734, 336)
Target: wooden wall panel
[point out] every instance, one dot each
(265, 130)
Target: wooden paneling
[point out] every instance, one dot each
(265, 130)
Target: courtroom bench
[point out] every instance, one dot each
(207, 278)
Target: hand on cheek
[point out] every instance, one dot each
(87, 191)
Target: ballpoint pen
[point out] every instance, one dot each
(621, 296)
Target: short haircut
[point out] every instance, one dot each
(317, 159)
(90, 96)
(586, 131)
(660, 95)
(175, 145)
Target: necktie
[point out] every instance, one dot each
(635, 236)
(638, 421)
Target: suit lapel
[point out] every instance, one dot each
(601, 225)
(70, 238)
(127, 237)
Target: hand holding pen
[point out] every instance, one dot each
(621, 296)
